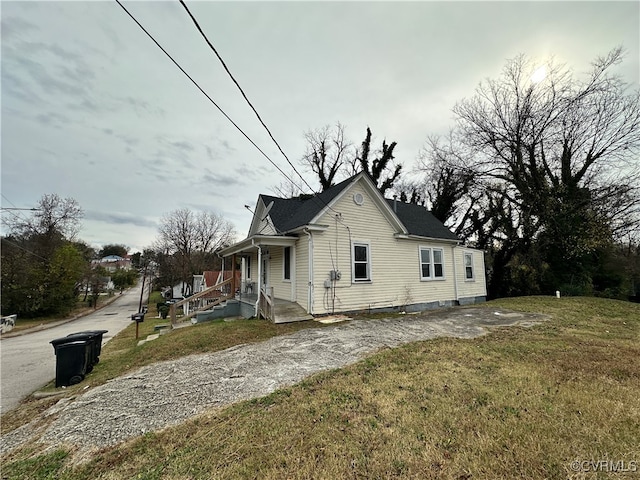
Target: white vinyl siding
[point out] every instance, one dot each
(477, 286)
(301, 268)
(431, 263)
(282, 287)
(395, 280)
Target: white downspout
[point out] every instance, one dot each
(455, 274)
(310, 285)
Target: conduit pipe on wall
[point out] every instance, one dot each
(310, 285)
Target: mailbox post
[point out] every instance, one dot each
(137, 317)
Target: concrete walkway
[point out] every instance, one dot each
(170, 392)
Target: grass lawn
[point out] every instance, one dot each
(519, 403)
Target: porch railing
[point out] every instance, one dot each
(201, 301)
(265, 303)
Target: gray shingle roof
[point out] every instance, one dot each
(290, 213)
(420, 221)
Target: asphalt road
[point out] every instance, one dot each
(28, 361)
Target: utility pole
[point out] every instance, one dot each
(144, 277)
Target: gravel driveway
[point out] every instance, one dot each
(169, 393)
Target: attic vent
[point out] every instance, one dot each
(358, 198)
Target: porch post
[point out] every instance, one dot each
(243, 275)
(233, 275)
(259, 280)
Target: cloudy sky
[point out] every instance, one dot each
(93, 110)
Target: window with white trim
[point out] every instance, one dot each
(286, 274)
(431, 263)
(468, 266)
(361, 262)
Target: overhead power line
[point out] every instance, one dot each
(242, 92)
(24, 222)
(201, 90)
(4, 239)
(223, 112)
(251, 105)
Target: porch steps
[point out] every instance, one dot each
(286, 312)
(230, 308)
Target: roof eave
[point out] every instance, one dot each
(402, 236)
(310, 227)
(254, 241)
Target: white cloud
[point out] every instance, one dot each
(91, 109)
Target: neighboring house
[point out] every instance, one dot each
(210, 278)
(180, 289)
(350, 249)
(215, 277)
(111, 263)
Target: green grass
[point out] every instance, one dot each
(519, 403)
(122, 354)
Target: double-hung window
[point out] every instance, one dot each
(361, 262)
(468, 266)
(431, 263)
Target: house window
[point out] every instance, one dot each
(248, 264)
(287, 263)
(468, 266)
(361, 262)
(431, 263)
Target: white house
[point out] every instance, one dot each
(350, 249)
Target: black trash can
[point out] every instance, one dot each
(72, 360)
(95, 336)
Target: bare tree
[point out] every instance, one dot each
(450, 181)
(560, 153)
(328, 150)
(377, 166)
(552, 139)
(190, 239)
(53, 215)
(289, 188)
(332, 157)
(41, 266)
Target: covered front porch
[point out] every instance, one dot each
(268, 277)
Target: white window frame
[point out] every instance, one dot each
(432, 263)
(466, 255)
(367, 245)
(284, 262)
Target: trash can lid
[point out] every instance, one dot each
(69, 342)
(91, 333)
(81, 336)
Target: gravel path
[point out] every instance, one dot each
(169, 393)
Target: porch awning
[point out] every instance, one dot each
(251, 244)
